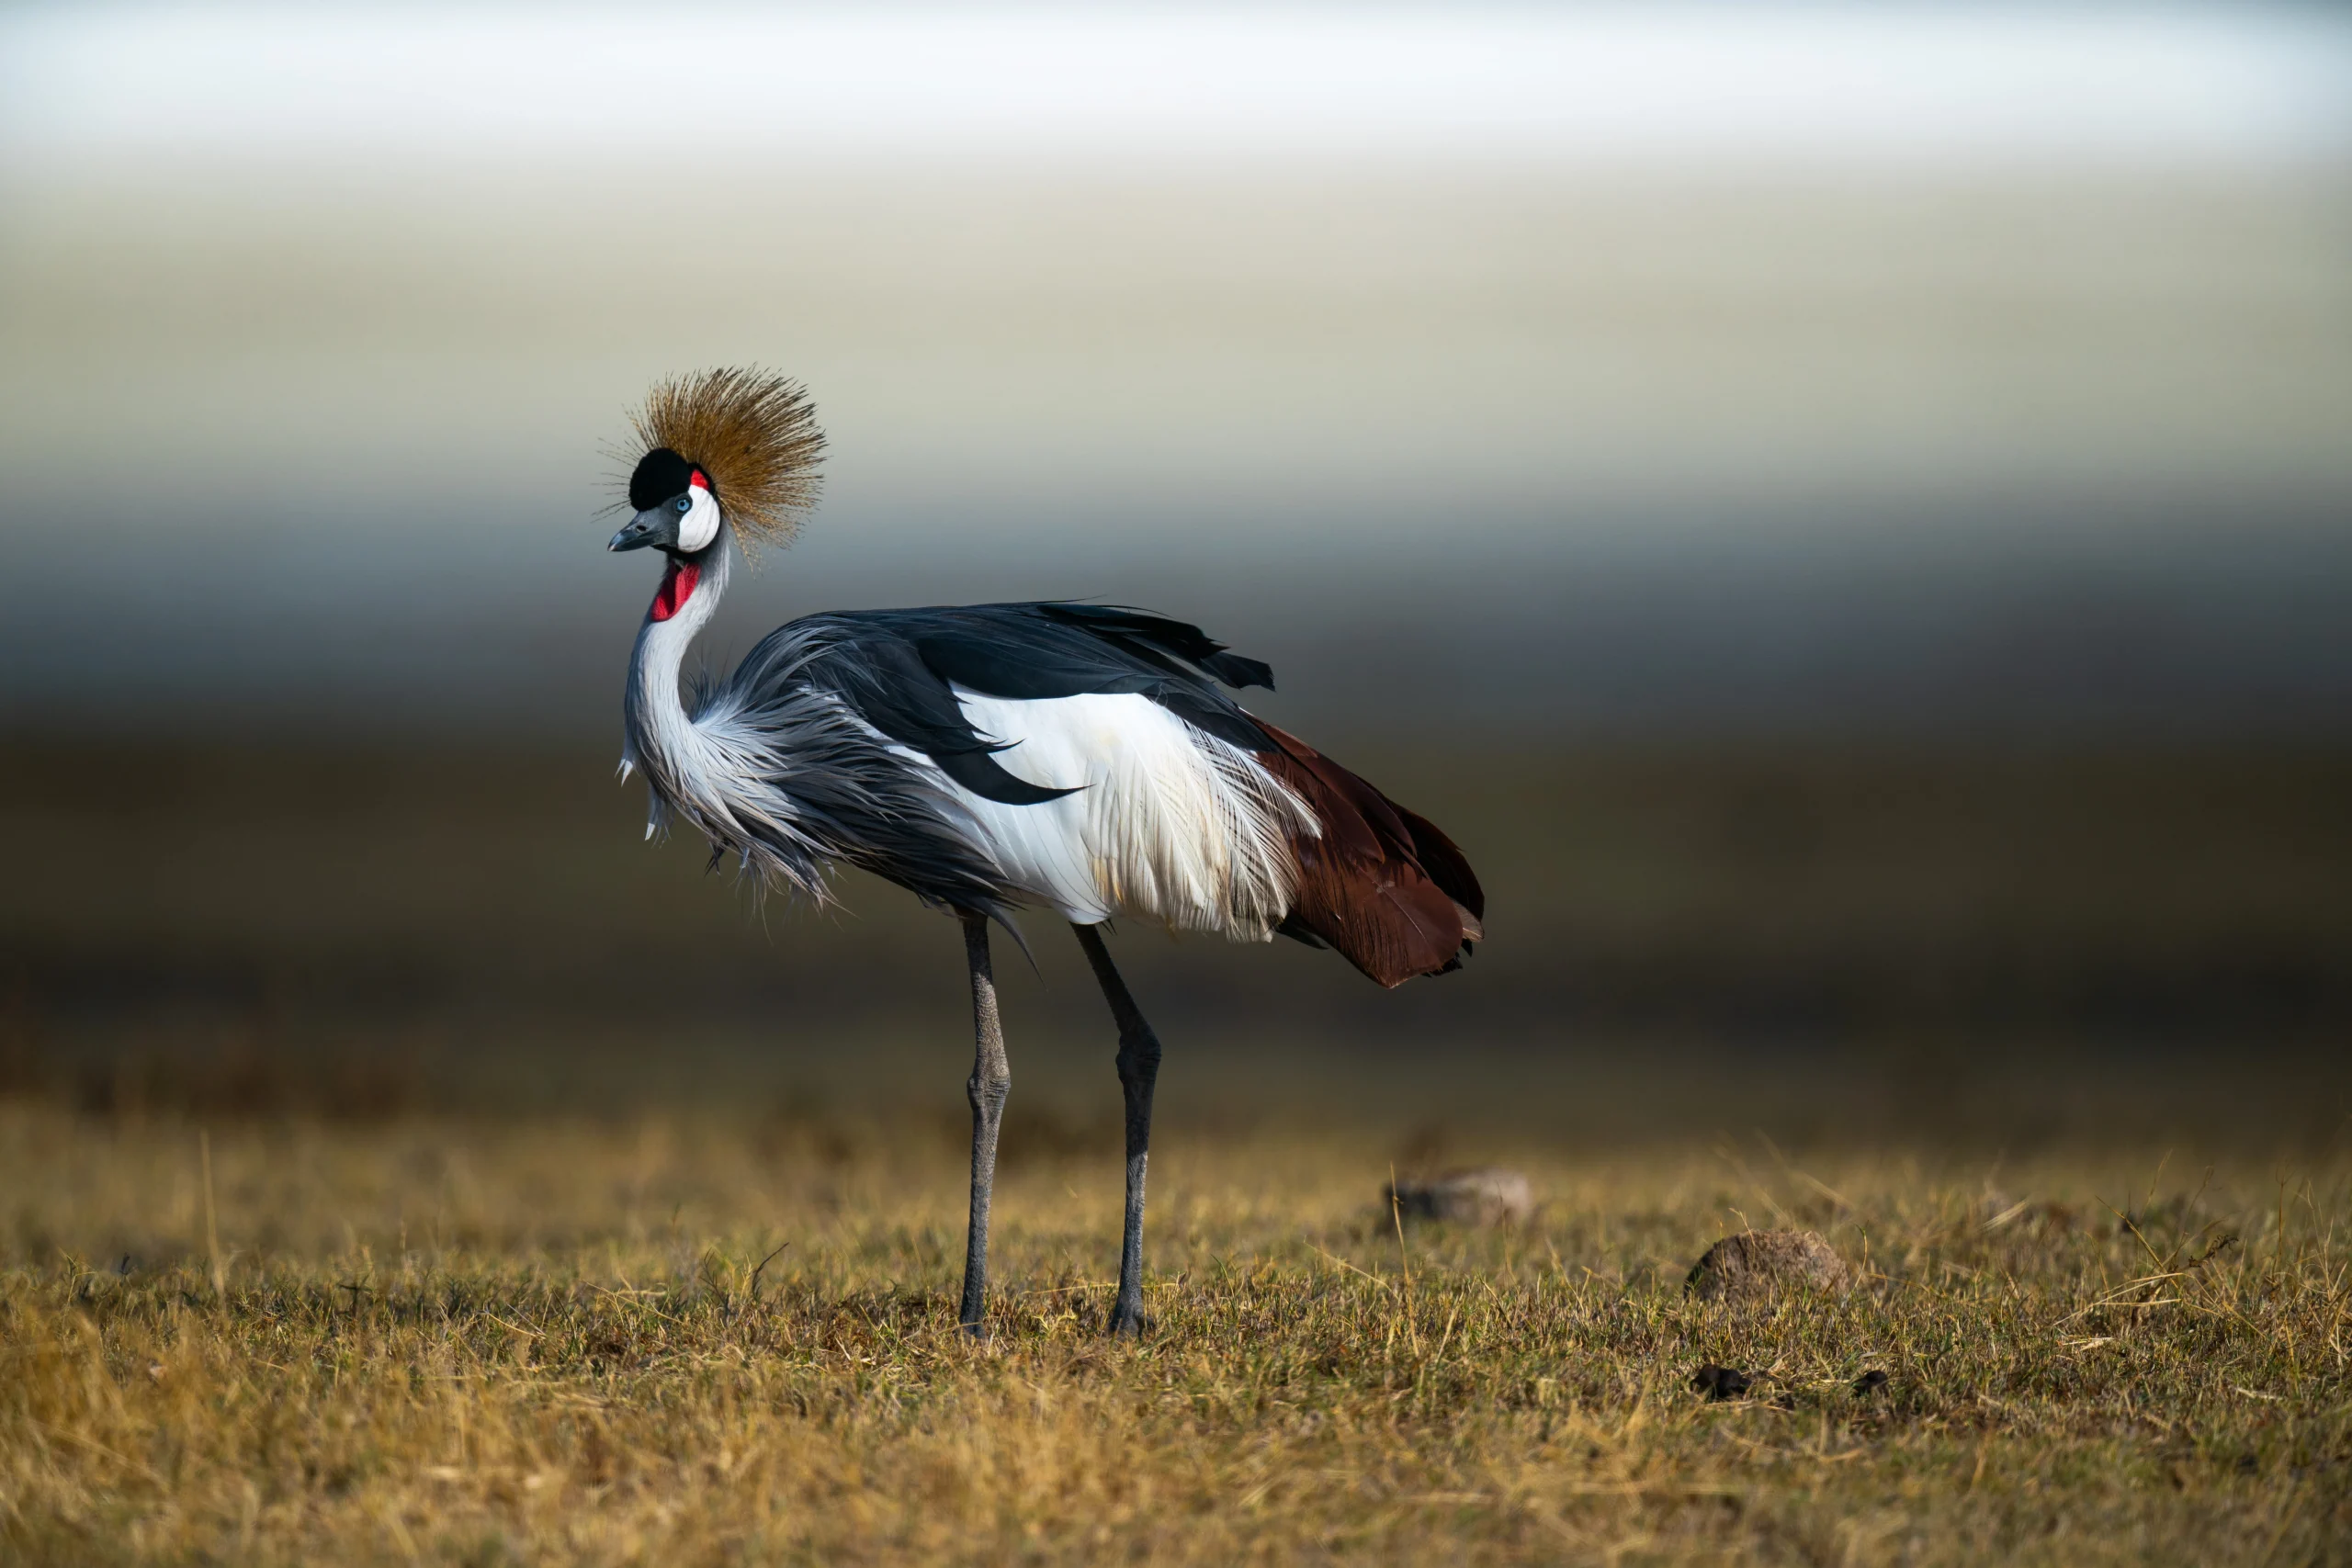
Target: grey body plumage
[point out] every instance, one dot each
(841, 736)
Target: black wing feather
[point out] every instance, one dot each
(1187, 642)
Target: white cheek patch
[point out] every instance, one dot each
(699, 526)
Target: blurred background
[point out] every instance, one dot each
(1845, 512)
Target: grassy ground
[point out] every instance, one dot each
(554, 1341)
(456, 1291)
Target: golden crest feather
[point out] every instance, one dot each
(754, 433)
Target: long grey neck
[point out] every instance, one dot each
(660, 734)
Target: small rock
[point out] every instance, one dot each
(1720, 1383)
(1869, 1383)
(1488, 1196)
(1755, 1263)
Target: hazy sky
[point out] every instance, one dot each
(1666, 355)
(1744, 83)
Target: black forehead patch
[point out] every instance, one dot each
(661, 474)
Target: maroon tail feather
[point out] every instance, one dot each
(1382, 886)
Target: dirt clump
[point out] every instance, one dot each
(1757, 1263)
(1488, 1196)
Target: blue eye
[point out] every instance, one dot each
(684, 503)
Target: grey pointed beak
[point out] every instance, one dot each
(652, 526)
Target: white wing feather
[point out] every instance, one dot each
(1168, 824)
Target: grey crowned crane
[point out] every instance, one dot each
(989, 756)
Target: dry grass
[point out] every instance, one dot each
(500, 1342)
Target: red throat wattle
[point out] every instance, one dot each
(677, 587)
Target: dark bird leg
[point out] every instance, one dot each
(1138, 1071)
(991, 1080)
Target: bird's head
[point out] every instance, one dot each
(675, 510)
(721, 448)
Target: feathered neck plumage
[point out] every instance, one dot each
(701, 762)
(661, 733)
